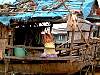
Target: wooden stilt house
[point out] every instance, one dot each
(26, 42)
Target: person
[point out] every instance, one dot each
(49, 45)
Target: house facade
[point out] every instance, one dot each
(60, 32)
(63, 33)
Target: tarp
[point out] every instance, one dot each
(84, 5)
(7, 1)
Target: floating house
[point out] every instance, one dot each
(27, 19)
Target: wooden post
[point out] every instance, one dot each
(12, 37)
(80, 71)
(67, 40)
(72, 38)
(93, 69)
(98, 31)
(90, 33)
(72, 23)
(6, 61)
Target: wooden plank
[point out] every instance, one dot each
(6, 38)
(42, 48)
(39, 68)
(6, 66)
(39, 58)
(29, 47)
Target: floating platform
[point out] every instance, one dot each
(37, 65)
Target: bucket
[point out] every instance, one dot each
(19, 52)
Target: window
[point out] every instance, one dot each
(61, 37)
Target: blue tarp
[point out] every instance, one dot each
(86, 8)
(84, 5)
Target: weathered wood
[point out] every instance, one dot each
(6, 66)
(72, 39)
(42, 48)
(93, 70)
(3, 38)
(39, 58)
(45, 67)
(82, 35)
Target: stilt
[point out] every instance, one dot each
(87, 71)
(6, 66)
(93, 70)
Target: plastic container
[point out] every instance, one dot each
(20, 52)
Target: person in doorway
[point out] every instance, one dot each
(49, 45)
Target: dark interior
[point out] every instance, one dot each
(28, 36)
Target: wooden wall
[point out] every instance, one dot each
(43, 67)
(4, 36)
(85, 28)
